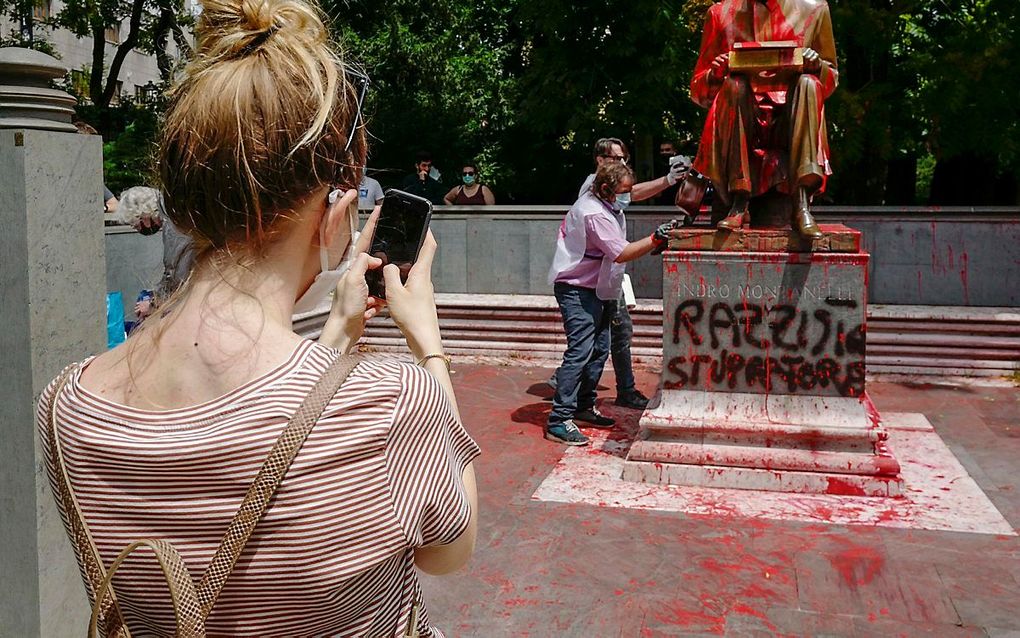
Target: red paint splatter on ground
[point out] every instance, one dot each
(746, 610)
(521, 602)
(858, 565)
(843, 488)
(676, 614)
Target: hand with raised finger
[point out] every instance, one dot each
(352, 306)
(413, 305)
(367, 232)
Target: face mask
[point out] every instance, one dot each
(622, 201)
(469, 179)
(326, 281)
(434, 173)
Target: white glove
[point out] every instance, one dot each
(676, 173)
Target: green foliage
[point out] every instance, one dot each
(440, 81)
(923, 80)
(526, 86)
(130, 131)
(523, 87)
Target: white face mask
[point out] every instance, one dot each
(326, 281)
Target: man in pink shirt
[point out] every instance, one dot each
(587, 277)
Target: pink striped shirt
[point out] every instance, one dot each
(380, 474)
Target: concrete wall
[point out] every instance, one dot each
(51, 283)
(134, 262)
(938, 257)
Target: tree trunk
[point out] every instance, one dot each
(125, 47)
(98, 59)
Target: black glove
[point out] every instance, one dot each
(661, 236)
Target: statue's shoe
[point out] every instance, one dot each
(805, 224)
(734, 221)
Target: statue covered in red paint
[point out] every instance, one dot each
(764, 71)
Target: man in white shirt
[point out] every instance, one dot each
(370, 194)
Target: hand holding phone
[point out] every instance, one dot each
(399, 234)
(412, 302)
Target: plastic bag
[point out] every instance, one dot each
(115, 333)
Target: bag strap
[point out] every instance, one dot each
(85, 547)
(183, 599)
(268, 480)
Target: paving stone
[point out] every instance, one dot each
(553, 569)
(991, 597)
(862, 580)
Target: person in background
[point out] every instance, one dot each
(421, 182)
(472, 192)
(370, 194)
(587, 277)
(667, 197)
(612, 150)
(110, 203)
(142, 209)
(109, 199)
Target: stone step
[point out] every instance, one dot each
(925, 340)
(742, 478)
(764, 458)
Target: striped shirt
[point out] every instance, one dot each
(379, 475)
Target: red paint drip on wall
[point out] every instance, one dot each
(963, 278)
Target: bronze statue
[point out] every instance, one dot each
(764, 71)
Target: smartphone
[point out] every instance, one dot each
(399, 234)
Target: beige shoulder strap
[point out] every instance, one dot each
(192, 604)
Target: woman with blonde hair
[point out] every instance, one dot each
(161, 437)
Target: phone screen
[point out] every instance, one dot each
(403, 222)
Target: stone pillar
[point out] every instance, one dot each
(53, 285)
(763, 382)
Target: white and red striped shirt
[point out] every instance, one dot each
(379, 475)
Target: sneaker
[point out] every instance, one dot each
(632, 399)
(594, 417)
(566, 433)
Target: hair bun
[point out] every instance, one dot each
(235, 28)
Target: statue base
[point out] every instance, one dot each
(763, 383)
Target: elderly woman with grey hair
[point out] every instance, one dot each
(141, 208)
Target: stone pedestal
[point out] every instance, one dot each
(53, 285)
(763, 381)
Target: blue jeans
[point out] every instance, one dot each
(586, 321)
(622, 330)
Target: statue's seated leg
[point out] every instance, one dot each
(733, 128)
(807, 128)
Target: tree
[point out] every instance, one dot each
(149, 22)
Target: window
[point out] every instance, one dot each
(113, 34)
(41, 9)
(146, 93)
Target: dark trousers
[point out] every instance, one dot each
(586, 322)
(621, 330)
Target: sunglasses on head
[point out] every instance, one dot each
(359, 81)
